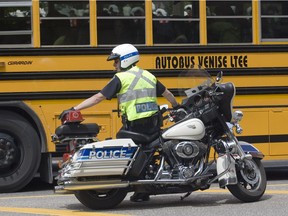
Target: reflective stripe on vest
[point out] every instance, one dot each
(131, 94)
(137, 103)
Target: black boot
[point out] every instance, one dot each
(139, 197)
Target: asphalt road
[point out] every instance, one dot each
(38, 199)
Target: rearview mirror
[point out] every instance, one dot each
(219, 77)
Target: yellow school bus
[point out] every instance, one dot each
(53, 55)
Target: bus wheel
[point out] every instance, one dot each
(19, 154)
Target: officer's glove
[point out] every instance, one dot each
(179, 112)
(62, 115)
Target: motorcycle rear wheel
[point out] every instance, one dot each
(251, 181)
(101, 199)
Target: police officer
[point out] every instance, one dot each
(137, 92)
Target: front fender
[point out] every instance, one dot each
(250, 149)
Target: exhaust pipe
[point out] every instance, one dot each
(68, 187)
(73, 185)
(61, 190)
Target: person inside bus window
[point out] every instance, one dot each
(272, 26)
(70, 37)
(188, 10)
(53, 30)
(163, 31)
(113, 10)
(126, 9)
(138, 25)
(224, 30)
(137, 91)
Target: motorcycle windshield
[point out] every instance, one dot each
(193, 81)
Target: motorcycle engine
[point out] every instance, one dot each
(182, 151)
(186, 149)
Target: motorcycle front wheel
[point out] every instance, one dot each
(251, 181)
(101, 199)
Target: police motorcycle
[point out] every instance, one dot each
(197, 149)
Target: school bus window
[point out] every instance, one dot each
(15, 24)
(64, 23)
(274, 19)
(229, 21)
(175, 22)
(120, 22)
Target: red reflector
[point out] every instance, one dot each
(65, 157)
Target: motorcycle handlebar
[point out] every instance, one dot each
(176, 115)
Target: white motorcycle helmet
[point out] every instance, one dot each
(127, 54)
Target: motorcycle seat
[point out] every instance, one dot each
(77, 130)
(138, 138)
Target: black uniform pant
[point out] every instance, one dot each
(149, 125)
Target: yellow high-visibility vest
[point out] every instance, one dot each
(137, 97)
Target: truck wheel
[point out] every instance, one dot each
(20, 154)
